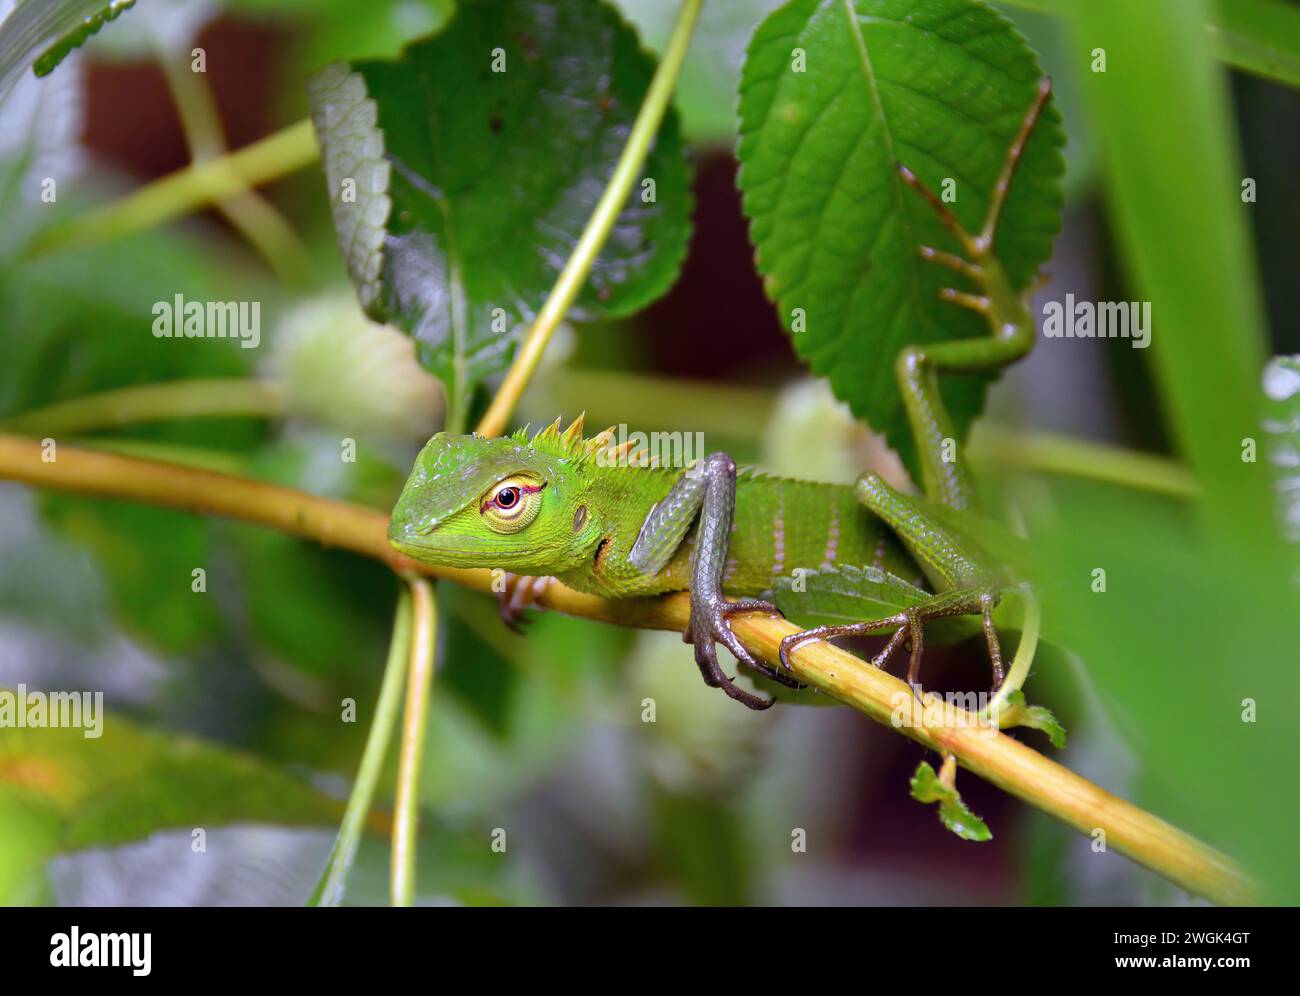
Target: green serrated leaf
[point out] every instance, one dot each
(833, 96)
(954, 813)
(48, 60)
(844, 594)
(41, 34)
(477, 158)
(1019, 712)
(850, 594)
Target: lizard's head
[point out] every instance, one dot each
(513, 503)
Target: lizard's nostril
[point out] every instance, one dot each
(400, 529)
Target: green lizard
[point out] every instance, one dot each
(589, 514)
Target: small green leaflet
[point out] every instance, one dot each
(956, 816)
(836, 93)
(462, 174)
(844, 594)
(1018, 712)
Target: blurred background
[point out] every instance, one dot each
(229, 699)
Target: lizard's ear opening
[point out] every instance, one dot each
(510, 505)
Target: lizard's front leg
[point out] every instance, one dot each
(714, 480)
(517, 593)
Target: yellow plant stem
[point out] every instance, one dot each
(1007, 763)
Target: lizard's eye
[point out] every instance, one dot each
(509, 505)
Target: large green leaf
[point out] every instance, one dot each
(833, 96)
(61, 791)
(473, 185)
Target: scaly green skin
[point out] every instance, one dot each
(603, 521)
(780, 524)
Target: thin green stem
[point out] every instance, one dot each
(1052, 454)
(611, 203)
(229, 397)
(329, 890)
(186, 190)
(254, 217)
(418, 686)
(1024, 658)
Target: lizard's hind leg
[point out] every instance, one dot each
(944, 478)
(965, 583)
(910, 625)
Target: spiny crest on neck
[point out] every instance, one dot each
(570, 444)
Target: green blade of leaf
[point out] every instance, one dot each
(1181, 215)
(1259, 36)
(477, 158)
(1282, 425)
(833, 96)
(953, 813)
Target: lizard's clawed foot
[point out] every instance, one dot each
(517, 594)
(978, 246)
(909, 630)
(709, 626)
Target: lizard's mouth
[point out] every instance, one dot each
(432, 546)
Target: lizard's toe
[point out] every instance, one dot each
(755, 702)
(790, 644)
(709, 628)
(749, 605)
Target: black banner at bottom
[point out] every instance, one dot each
(139, 946)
